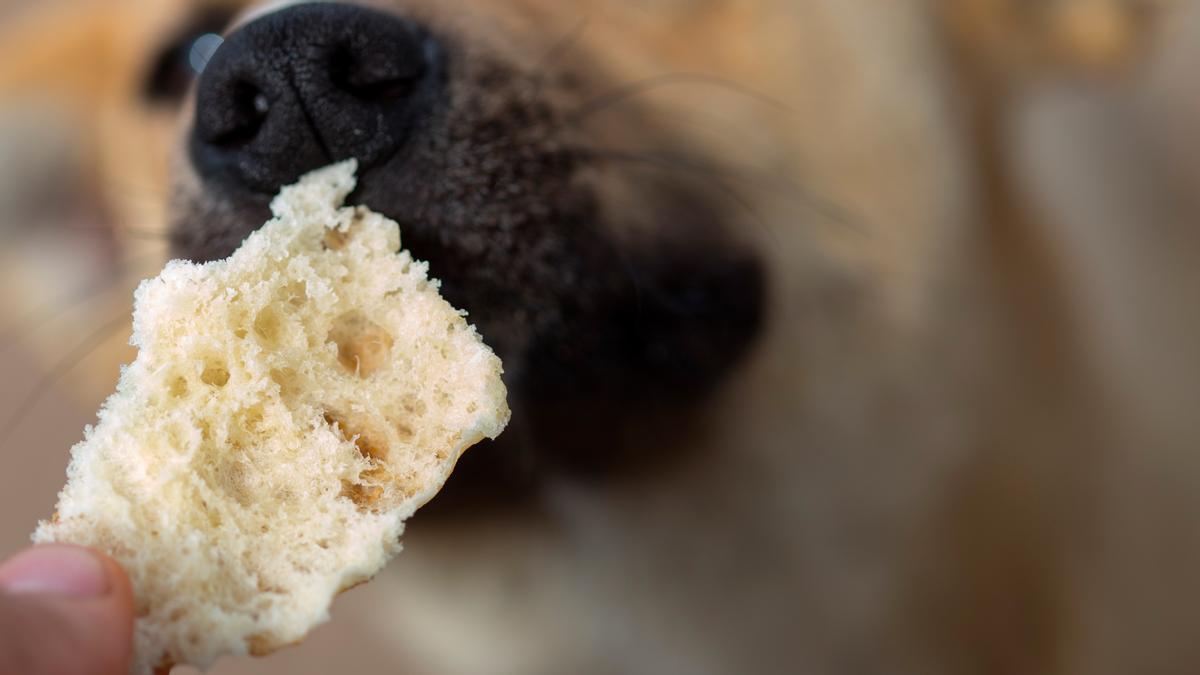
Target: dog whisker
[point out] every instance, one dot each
(556, 52)
(140, 189)
(40, 317)
(131, 232)
(825, 207)
(90, 343)
(636, 88)
(565, 44)
(705, 174)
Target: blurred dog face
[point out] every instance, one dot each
(606, 289)
(879, 461)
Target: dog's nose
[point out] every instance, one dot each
(308, 85)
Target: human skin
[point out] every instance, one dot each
(64, 610)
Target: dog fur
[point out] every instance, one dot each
(925, 460)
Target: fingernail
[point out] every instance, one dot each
(68, 571)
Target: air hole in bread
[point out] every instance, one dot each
(365, 497)
(366, 447)
(294, 294)
(363, 345)
(368, 491)
(408, 483)
(288, 381)
(215, 374)
(414, 406)
(268, 326)
(335, 240)
(232, 478)
(404, 431)
(178, 387)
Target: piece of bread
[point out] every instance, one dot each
(288, 409)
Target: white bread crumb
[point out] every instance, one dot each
(288, 409)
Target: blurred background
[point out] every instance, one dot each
(1103, 130)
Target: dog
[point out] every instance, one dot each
(802, 379)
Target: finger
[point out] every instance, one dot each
(64, 610)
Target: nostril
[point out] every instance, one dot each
(372, 87)
(377, 73)
(248, 107)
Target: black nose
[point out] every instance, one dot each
(309, 85)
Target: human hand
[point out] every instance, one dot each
(64, 610)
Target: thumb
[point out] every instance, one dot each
(64, 610)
